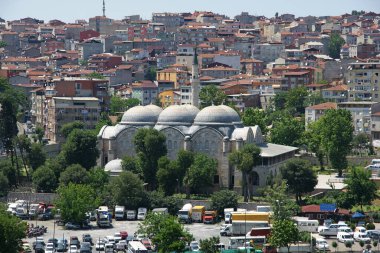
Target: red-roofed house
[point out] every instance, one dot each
(313, 113)
(314, 212)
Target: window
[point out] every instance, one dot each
(77, 86)
(216, 179)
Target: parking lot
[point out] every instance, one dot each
(199, 230)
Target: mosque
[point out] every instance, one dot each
(215, 131)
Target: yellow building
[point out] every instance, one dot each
(170, 97)
(177, 76)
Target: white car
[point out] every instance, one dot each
(362, 237)
(321, 244)
(50, 248)
(117, 237)
(344, 237)
(99, 246)
(109, 240)
(73, 249)
(194, 246)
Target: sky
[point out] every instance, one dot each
(70, 10)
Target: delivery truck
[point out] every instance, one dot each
(210, 217)
(119, 212)
(227, 215)
(242, 227)
(250, 216)
(198, 213)
(184, 215)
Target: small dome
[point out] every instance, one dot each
(113, 166)
(217, 115)
(141, 115)
(178, 115)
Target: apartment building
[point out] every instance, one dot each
(363, 81)
(63, 110)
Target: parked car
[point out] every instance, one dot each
(374, 234)
(72, 226)
(117, 237)
(345, 237)
(121, 246)
(50, 248)
(321, 244)
(194, 246)
(61, 247)
(99, 245)
(87, 238)
(85, 247)
(124, 235)
(361, 237)
(73, 249)
(75, 241)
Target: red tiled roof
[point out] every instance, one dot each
(323, 106)
(341, 87)
(293, 73)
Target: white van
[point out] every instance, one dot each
(346, 230)
(344, 237)
(307, 225)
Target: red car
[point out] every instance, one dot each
(124, 235)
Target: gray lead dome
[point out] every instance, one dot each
(141, 115)
(217, 115)
(178, 115)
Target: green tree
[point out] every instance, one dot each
(24, 146)
(287, 131)
(157, 199)
(80, 148)
(209, 245)
(132, 164)
(336, 43)
(244, 160)
(95, 75)
(12, 231)
(104, 120)
(167, 174)
(314, 98)
(9, 171)
(98, 179)
(255, 116)
(313, 140)
(69, 127)
(279, 101)
(184, 160)
(151, 74)
(44, 179)
(361, 187)
(4, 185)
(284, 233)
(202, 172)
(211, 95)
(40, 133)
(361, 142)
(336, 131)
(150, 146)
(128, 190)
(36, 156)
(295, 99)
(300, 177)
(334, 245)
(74, 200)
(224, 199)
(75, 174)
(3, 44)
(283, 207)
(166, 232)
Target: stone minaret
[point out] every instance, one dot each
(195, 81)
(104, 9)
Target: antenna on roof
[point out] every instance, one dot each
(104, 9)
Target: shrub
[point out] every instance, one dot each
(370, 226)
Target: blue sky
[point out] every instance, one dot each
(69, 10)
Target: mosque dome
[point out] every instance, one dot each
(217, 115)
(113, 166)
(178, 115)
(141, 115)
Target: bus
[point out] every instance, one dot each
(136, 247)
(256, 242)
